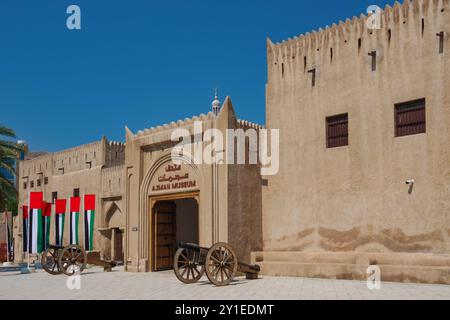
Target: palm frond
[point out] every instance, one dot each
(5, 165)
(11, 145)
(7, 189)
(7, 132)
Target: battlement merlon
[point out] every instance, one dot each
(350, 30)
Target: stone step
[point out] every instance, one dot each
(394, 273)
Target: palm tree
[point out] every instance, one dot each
(8, 155)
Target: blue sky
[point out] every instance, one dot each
(140, 63)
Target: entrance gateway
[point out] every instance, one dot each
(174, 219)
(167, 201)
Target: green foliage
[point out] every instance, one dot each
(8, 154)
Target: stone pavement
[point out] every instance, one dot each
(96, 284)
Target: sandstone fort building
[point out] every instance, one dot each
(364, 176)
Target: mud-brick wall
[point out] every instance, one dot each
(354, 198)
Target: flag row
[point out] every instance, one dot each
(37, 222)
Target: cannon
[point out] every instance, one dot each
(71, 259)
(219, 263)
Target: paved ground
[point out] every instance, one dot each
(96, 284)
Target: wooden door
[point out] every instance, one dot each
(164, 234)
(118, 247)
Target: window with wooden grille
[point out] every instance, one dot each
(410, 118)
(337, 131)
(45, 180)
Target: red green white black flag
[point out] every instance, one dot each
(46, 215)
(74, 217)
(25, 228)
(89, 217)
(60, 213)
(35, 243)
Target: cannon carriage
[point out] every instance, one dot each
(71, 259)
(219, 262)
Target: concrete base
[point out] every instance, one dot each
(396, 267)
(26, 270)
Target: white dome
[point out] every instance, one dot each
(216, 104)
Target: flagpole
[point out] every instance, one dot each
(28, 230)
(5, 215)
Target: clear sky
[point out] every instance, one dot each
(140, 63)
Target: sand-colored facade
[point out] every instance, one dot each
(228, 197)
(331, 212)
(94, 168)
(328, 212)
(210, 202)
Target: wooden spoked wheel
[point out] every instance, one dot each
(72, 259)
(221, 264)
(187, 265)
(49, 261)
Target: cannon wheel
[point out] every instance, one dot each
(72, 259)
(187, 267)
(49, 261)
(221, 264)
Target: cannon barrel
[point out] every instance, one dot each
(191, 246)
(248, 268)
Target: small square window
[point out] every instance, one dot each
(76, 192)
(24, 185)
(45, 180)
(38, 182)
(337, 131)
(410, 118)
(31, 184)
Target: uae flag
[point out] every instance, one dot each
(89, 215)
(60, 213)
(25, 228)
(35, 243)
(74, 215)
(46, 213)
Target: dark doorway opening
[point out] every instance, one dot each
(173, 221)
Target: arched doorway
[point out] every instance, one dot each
(175, 219)
(114, 232)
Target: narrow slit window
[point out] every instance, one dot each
(54, 196)
(423, 26)
(410, 118)
(331, 55)
(282, 70)
(373, 56)
(440, 35)
(359, 44)
(304, 63)
(313, 76)
(337, 131)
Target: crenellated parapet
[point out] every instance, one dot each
(162, 134)
(244, 124)
(114, 153)
(317, 49)
(175, 124)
